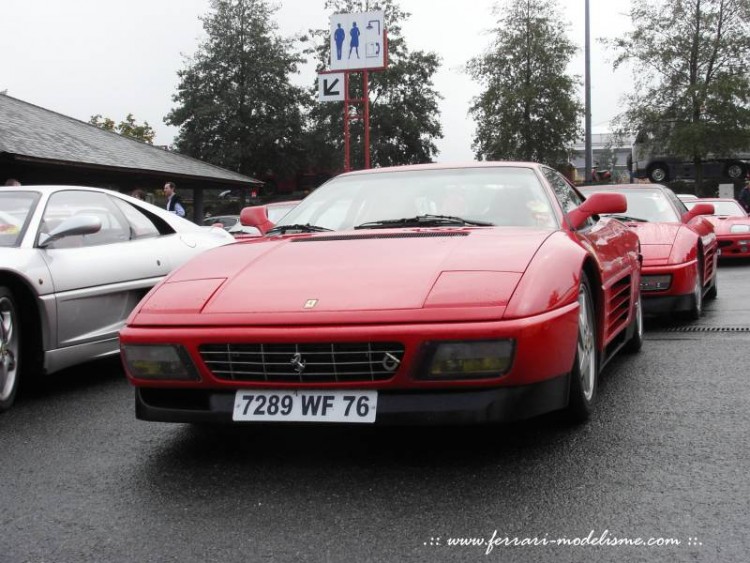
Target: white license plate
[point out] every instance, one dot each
(306, 406)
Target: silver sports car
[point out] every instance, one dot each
(74, 262)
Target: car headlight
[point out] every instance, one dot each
(739, 229)
(159, 362)
(656, 283)
(469, 360)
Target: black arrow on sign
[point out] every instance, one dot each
(328, 88)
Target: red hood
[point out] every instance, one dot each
(656, 240)
(656, 233)
(722, 225)
(395, 271)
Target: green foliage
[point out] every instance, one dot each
(404, 114)
(691, 76)
(128, 127)
(236, 107)
(528, 109)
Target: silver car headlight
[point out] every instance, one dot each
(737, 229)
(481, 359)
(159, 361)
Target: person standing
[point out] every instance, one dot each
(174, 203)
(12, 182)
(744, 197)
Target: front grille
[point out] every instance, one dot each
(305, 363)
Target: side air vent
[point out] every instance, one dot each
(618, 299)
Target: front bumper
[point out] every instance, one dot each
(425, 407)
(665, 304)
(734, 246)
(679, 297)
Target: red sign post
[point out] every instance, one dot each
(358, 45)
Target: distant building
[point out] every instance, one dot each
(39, 146)
(611, 153)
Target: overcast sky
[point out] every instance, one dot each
(114, 57)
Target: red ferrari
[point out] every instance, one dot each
(732, 226)
(679, 248)
(415, 294)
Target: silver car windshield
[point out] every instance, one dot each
(491, 196)
(15, 211)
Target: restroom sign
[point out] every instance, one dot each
(358, 41)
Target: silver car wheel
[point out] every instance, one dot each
(639, 318)
(8, 348)
(698, 295)
(586, 343)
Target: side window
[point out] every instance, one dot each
(568, 197)
(140, 225)
(70, 203)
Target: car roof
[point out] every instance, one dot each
(709, 199)
(445, 166)
(53, 187)
(622, 187)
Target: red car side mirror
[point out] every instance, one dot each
(595, 204)
(256, 216)
(698, 209)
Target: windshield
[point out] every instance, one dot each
(647, 205)
(722, 208)
(15, 212)
(277, 210)
(508, 196)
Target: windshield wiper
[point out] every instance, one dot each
(423, 221)
(306, 228)
(628, 218)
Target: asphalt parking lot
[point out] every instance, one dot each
(665, 458)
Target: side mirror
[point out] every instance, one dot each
(256, 216)
(698, 209)
(596, 204)
(77, 225)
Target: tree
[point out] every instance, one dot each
(528, 109)
(690, 61)
(236, 106)
(404, 113)
(128, 127)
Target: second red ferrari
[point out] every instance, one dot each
(679, 248)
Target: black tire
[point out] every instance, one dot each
(10, 349)
(635, 343)
(658, 173)
(696, 310)
(584, 376)
(713, 292)
(735, 170)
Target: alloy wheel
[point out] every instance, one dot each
(8, 348)
(586, 344)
